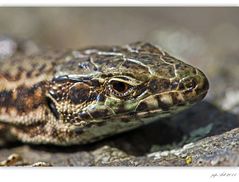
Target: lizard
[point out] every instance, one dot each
(82, 96)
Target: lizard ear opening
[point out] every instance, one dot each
(52, 106)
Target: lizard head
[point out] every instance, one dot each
(120, 88)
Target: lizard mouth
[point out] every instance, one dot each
(158, 105)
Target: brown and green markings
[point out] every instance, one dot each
(80, 96)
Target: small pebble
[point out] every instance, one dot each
(7, 47)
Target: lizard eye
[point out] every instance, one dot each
(119, 88)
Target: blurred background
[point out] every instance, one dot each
(204, 37)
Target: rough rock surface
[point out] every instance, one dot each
(154, 145)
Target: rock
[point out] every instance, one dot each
(220, 146)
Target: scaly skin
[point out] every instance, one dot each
(77, 97)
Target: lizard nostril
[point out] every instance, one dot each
(190, 83)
